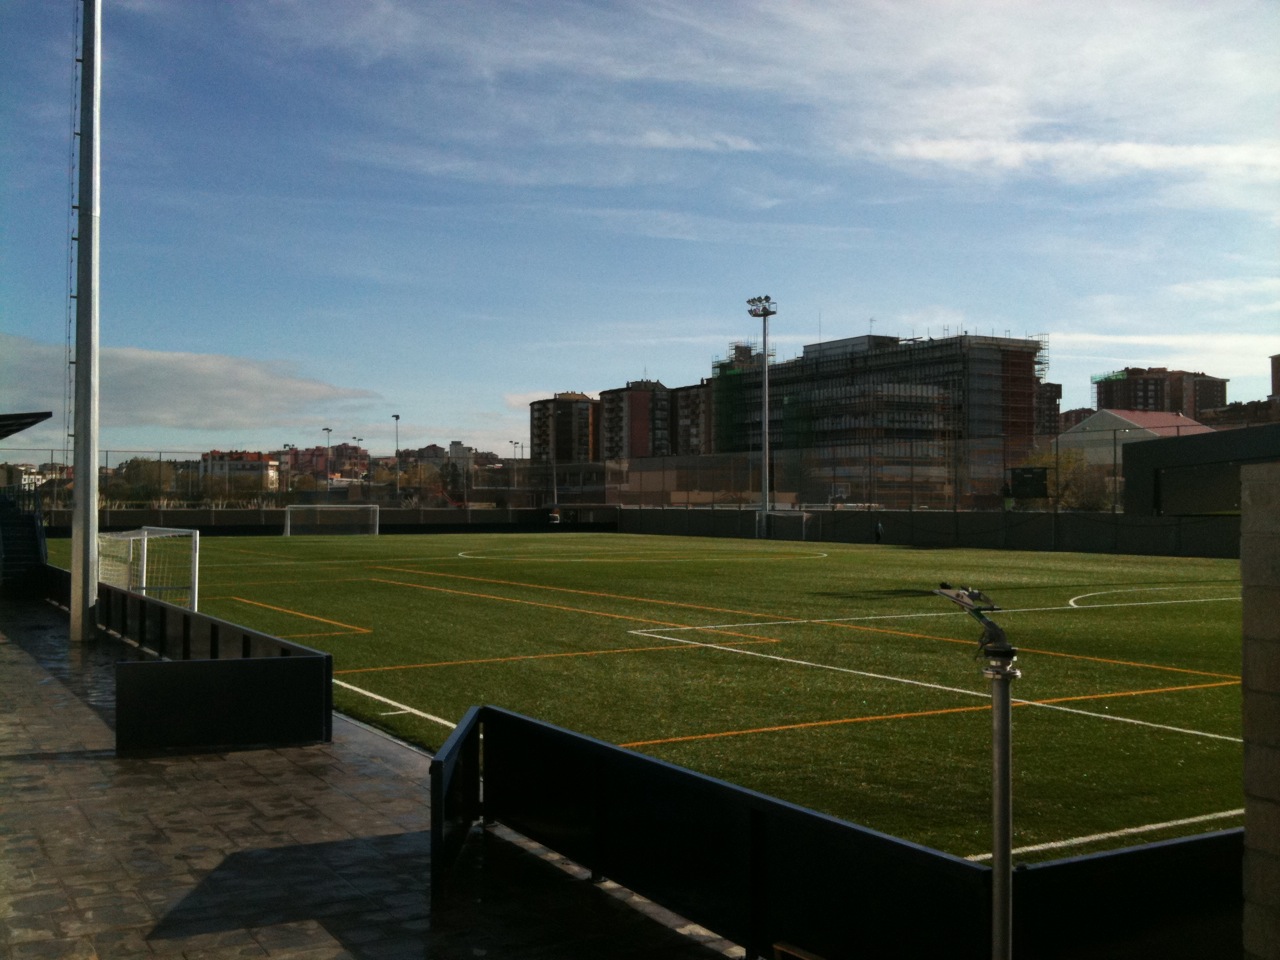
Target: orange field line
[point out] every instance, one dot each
(556, 606)
(534, 656)
(912, 715)
(585, 593)
(1127, 693)
(806, 725)
(305, 616)
(1055, 653)
(1131, 663)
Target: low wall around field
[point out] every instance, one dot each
(269, 521)
(996, 530)
(1207, 536)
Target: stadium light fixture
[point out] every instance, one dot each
(995, 649)
(763, 308)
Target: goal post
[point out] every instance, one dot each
(331, 519)
(158, 562)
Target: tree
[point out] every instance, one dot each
(1074, 483)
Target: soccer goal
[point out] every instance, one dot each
(158, 562)
(330, 519)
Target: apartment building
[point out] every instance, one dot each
(1158, 389)
(565, 429)
(635, 421)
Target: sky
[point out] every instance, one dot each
(324, 213)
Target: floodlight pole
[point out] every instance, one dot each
(764, 308)
(84, 523)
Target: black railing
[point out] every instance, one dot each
(754, 869)
(761, 872)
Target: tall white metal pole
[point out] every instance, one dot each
(84, 521)
(764, 308)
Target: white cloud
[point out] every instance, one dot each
(1225, 355)
(1082, 160)
(192, 393)
(1232, 289)
(521, 401)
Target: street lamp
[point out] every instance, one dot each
(764, 308)
(328, 457)
(396, 418)
(359, 472)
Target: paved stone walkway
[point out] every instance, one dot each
(305, 853)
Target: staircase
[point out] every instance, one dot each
(22, 546)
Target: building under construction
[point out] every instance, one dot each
(879, 420)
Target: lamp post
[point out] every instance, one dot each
(359, 472)
(288, 449)
(396, 418)
(764, 308)
(512, 480)
(328, 457)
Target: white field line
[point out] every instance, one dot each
(623, 558)
(402, 708)
(1071, 605)
(657, 635)
(1106, 593)
(1114, 834)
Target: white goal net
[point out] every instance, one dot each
(158, 562)
(330, 519)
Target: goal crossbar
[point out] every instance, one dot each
(330, 518)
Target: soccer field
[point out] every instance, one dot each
(824, 674)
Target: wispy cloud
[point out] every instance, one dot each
(1052, 88)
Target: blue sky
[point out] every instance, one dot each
(323, 213)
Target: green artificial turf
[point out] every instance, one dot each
(825, 674)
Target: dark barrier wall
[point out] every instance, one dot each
(269, 521)
(207, 683)
(759, 871)
(1178, 898)
(197, 704)
(753, 869)
(1012, 530)
(1201, 536)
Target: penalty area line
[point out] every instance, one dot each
(1116, 834)
(400, 707)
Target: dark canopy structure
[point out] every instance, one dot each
(11, 423)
